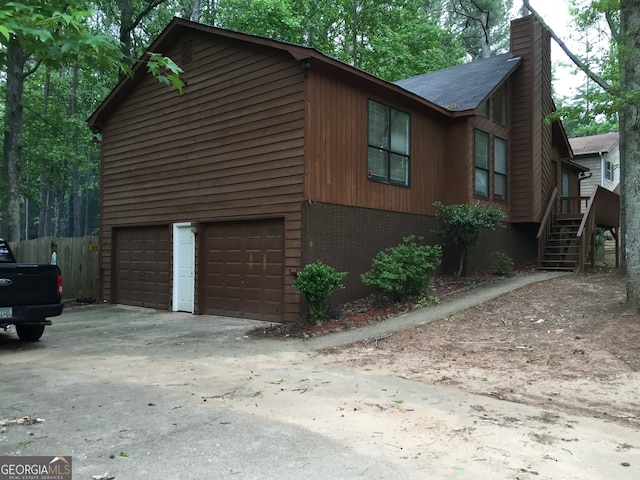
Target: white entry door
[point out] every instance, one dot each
(184, 254)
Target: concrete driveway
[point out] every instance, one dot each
(134, 393)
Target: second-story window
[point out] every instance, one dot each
(608, 170)
(499, 168)
(500, 105)
(388, 144)
(490, 160)
(481, 149)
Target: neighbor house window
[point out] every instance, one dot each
(388, 140)
(482, 163)
(608, 170)
(499, 168)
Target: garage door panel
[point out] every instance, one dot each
(245, 269)
(142, 266)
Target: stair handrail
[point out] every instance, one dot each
(546, 224)
(587, 229)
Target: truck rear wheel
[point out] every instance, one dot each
(29, 333)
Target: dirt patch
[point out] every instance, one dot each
(562, 344)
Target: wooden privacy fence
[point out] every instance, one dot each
(77, 257)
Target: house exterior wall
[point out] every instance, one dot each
(594, 164)
(336, 147)
(458, 174)
(230, 147)
(347, 238)
(341, 236)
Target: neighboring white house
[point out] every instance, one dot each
(601, 155)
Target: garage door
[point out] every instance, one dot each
(142, 266)
(244, 269)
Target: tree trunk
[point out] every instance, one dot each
(42, 215)
(630, 149)
(76, 207)
(44, 224)
(126, 20)
(13, 140)
(195, 12)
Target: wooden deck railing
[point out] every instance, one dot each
(547, 223)
(603, 210)
(607, 208)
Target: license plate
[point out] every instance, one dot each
(6, 312)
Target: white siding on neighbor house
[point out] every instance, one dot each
(594, 166)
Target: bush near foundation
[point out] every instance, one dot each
(404, 272)
(318, 281)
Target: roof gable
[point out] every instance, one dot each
(594, 144)
(462, 87)
(177, 27)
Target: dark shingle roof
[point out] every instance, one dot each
(462, 87)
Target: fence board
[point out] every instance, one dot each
(77, 258)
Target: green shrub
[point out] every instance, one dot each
(403, 272)
(501, 264)
(317, 281)
(464, 224)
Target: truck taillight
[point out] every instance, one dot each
(59, 285)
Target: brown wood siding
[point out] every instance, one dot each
(548, 152)
(531, 151)
(336, 149)
(521, 126)
(230, 147)
(458, 176)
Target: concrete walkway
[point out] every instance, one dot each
(436, 312)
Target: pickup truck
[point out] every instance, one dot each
(29, 293)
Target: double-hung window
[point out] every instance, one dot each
(490, 174)
(388, 144)
(499, 168)
(608, 170)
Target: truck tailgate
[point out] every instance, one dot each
(28, 284)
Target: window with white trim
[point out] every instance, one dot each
(608, 170)
(388, 158)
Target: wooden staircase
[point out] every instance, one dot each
(562, 249)
(566, 238)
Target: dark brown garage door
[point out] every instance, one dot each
(244, 269)
(142, 266)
